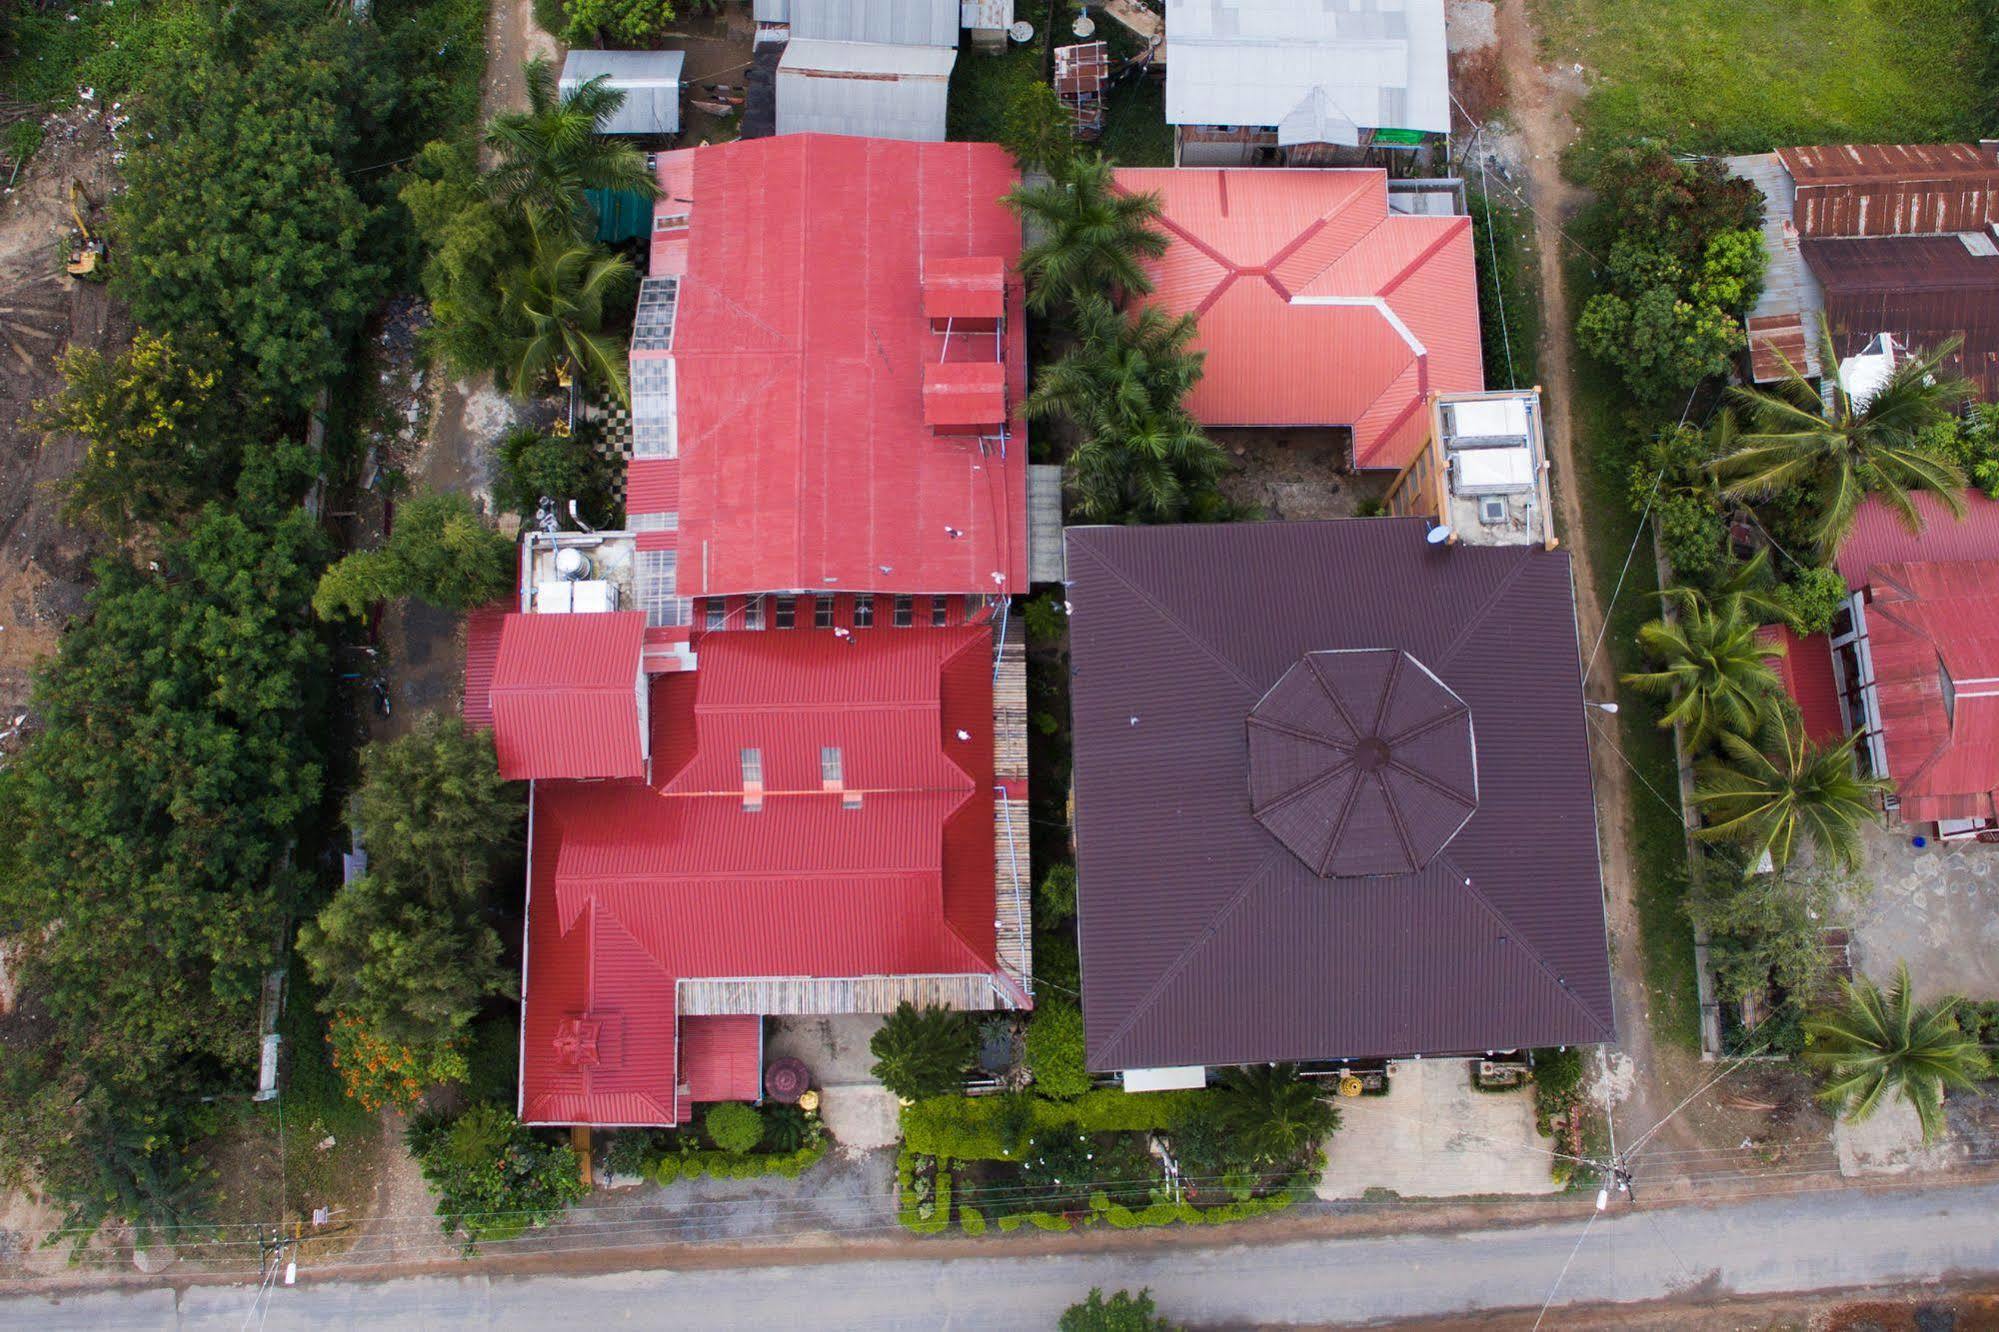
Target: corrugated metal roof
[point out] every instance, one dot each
(892, 22)
(482, 653)
(564, 696)
(799, 347)
(721, 1058)
(636, 886)
(1921, 289)
(1879, 537)
(1894, 189)
(1330, 69)
(864, 89)
(1316, 304)
(965, 394)
(1805, 667)
(1933, 638)
(1204, 939)
(1783, 324)
(650, 81)
(970, 288)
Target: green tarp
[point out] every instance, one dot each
(621, 215)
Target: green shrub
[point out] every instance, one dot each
(493, 1176)
(624, 22)
(691, 1163)
(734, 1127)
(1671, 481)
(1055, 1050)
(925, 1200)
(530, 466)
(923, 1052)
(969, 1128)
(1056, 895)
(971, 1219)
(1812, 599)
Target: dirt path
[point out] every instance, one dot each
(1541, 110)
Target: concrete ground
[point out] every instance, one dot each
(1937, 909)
(1890, 1142)
(857, 1110)
(1435, 1137)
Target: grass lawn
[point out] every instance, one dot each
(1751, 75)
(981, 87)
(1658, 846)
(1135, 130)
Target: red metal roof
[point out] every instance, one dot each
(634, 885)
(721, 1058)
(961, 394)
(970, 288)
(565, 696)
(1317, 306)
(482, 654)
(1805, 667)
(804, 459)
(1933, 638)
(1878, 536)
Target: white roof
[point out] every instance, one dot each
(1319, 72)
(898, 22)
(1178, 1078)
(1490, 418)
(1493, 471)
(903, 99)
(650, 81)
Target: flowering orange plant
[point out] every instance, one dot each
(376, 1071)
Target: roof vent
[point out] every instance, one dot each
(1492, 510)
(576, 1041)
(965, 295)
(1362, 762)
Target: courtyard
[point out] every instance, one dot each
(1935, 907)
(1434, 1136)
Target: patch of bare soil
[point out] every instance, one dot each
(44, 562)
(719, 49)
(1294, 474)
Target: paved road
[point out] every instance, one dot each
(1763, 1246)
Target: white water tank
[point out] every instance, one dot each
(572, 564)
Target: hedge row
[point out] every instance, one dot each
(969, 1128)
(730, 1165)
(1102, 1210)
(910, 1213)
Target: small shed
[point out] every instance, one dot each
(650, 81)
(866, 89)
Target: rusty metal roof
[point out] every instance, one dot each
(1894, 189)
(1921, 289)
(1205, 938)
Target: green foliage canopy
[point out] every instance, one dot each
(1121, 1312)
(922, 1052)
(1881, 1044)
(494, 1178)
(733, 1126)
(1091, 237)
(1055, 1050)
(442, 551)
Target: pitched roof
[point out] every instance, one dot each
(1805, 666)
(1317, 305)
(565, 696)
(1205, 938)
(1921, 289)
(1879, 536)
(799, 342)
(1894, 189)
(636, 886)
(650, 81)
(1331, 69)
(866, 89)
(1933, 638)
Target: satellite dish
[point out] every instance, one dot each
(1438, 535)
(1022, 31)
(1083, 27)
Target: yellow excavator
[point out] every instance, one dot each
(87, 253)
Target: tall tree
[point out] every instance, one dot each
(554, 308)
(432, 810)
(1879, 1044)
(441, 551)
(1140, 454)
(922, 1052)
(546, 156)
(469, 242)
(1275, 1117)
(1769, 795)
(1086, 236)
(1843, 452)
(1712, 666)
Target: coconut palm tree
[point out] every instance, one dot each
(545, 157)
(1712, 666)
(554, 308)
(1878, 1044)
(1842, 449)
(1088, 235)
(1139, 454)
(1274, 1116)
(1767, 796)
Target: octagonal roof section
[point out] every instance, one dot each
(1362, 762)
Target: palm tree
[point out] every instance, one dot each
(1765, 796)
(1880, 1043)
(1842, 450)
(1089, 236)
(1139, 453)
(1711, 665)
(545, 157)
(1274, 1116)
(554, 309)
(923, 1052)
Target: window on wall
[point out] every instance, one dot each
(753, 613)
(832, 774)
(657, 577)
(940, 611)
(822, 612)
(786, 615)
(753, 780)
(905, 611)
(715, 613)
(864, 611)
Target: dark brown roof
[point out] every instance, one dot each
(1921, 289)
(1206, 939)
(1893, 189)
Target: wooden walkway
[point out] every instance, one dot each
(1012, 874)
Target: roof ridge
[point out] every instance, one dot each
(1492, 601)
(1445, 236)
(1206, 933)
(1513, 934)
(1166, 616)
(1312, 229)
